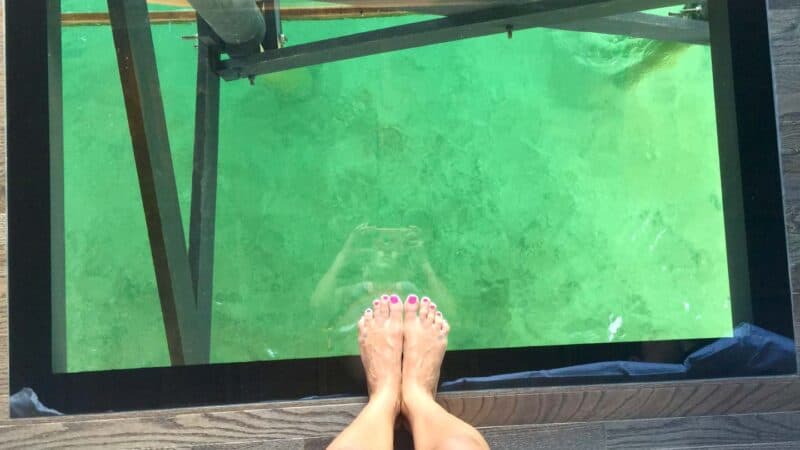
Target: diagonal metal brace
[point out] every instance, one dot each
(139, 75)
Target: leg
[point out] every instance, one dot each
(425, 341)
(380, 339)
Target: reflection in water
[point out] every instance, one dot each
(376, 261)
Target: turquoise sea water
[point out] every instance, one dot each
(550, 189)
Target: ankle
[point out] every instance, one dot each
(386, 399)
(415, 398)
(416, 391)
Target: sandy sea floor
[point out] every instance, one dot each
(554, 188)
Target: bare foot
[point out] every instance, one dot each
(380, 340)
(425, 341)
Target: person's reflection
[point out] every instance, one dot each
(375, 261)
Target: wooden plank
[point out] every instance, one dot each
(266, 422)
(584, 404)
(784, 23)
(283, 444)
(588, 436)
(292, 13)
(795, 309)
(4, 387)
(789, 123)
(787, 85)
(526, 437)
(785, 34)
(776, 5)
(685, 432)
(101, 18)
(749, 431)
(770, 446)
(178, 3)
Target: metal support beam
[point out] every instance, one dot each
(204, 182)
(502, 19)
(750, 164)
(646, 26)
(58, 296)
(730, 163)
(147, 122)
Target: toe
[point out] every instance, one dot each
(438, 320)
(411, 306)
(361, 324)
(445, 328)
(424, 308)
(368, 317)
(431, 313)
(384, 307)
(395, 308)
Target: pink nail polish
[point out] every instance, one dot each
(376, 303)
(385, 298)
(425, 299)
(395, 299)
(438, 313)
(412, 299)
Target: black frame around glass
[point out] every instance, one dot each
(751, 193)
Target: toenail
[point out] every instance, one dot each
(412, 299)
(385, 298)
(433, 306)
(376, 303)
(395, 299)
(425, 299)
(438, 313)
(368, 311)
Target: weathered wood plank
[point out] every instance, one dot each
(685, 432)
(589, 436)
(796, 308)
(626, 401)
(285, 444)
(750, 431)
(775, 5)
(784, 18)
(491, 408)
(526, 437)
(787, 87)
(4, 411)
(769, 446)
(785, 32)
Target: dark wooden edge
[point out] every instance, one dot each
(4, 411)
(272, 421)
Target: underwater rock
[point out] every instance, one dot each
(293, 84)
(619, 56)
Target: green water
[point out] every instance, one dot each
(563, 188)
